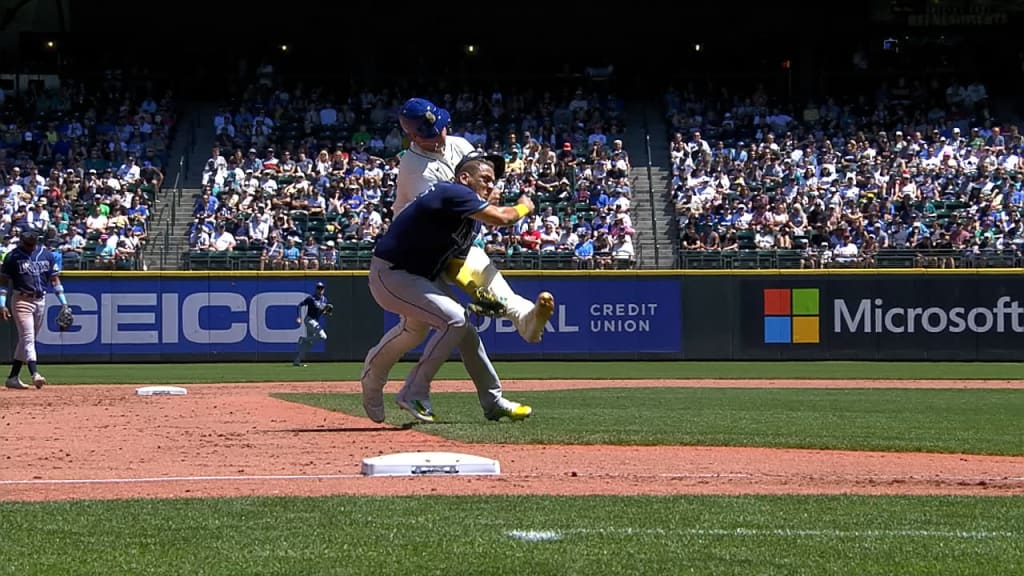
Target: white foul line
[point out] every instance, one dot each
(257, 478)
(776, 532)
(179, 479)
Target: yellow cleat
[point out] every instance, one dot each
(511, 410)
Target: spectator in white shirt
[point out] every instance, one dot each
(223, 240)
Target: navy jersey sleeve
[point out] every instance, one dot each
(462, 200)
(307, 302)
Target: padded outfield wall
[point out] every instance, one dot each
(699, 315)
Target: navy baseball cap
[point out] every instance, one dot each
(29, 233)
(319, 284)
(421, 117)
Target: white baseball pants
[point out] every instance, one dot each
(29, 315)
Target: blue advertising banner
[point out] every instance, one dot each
(176, 316)
(620, 315)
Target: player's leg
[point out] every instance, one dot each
(399, 340)
(38, 311)
(14, 378)
(420, 299)
(529, 318)
(313, 332)
(485, 378)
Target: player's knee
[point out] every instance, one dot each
(416, 330)
(460, 320)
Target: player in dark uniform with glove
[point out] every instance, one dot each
(316, 306)
(28, 272)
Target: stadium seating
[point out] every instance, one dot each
(921, 180)
(348, 151)
(80, 147)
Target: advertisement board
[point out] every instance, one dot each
(187, 317)
(612, 315)
(910, 316)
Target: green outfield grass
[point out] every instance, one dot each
(951, 421)
(590, 536)
(197, 373)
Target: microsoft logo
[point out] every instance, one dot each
(791, 316)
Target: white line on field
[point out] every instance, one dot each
(543, 535)
(263, 478)
(179, 479)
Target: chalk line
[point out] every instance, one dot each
(39, 482)
(546, 534)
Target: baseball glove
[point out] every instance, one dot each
(329, 309)
(65, 318)
(487, 303)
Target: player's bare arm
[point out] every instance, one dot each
(5, 284)
(504, 215)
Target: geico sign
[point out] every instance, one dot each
(874, 316)
(108, 320)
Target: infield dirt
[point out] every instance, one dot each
(104, 442)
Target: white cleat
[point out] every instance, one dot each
(15, 383)
(38, 380)
(531, 326)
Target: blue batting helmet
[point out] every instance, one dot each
(420, 117)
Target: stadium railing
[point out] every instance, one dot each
(887, 258)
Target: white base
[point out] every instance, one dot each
(429, 464)
(161, 391)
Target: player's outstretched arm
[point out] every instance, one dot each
(504, 215)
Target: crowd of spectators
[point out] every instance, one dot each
(305, 179)
(917, 174)
(82, 164)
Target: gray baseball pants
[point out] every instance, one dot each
(417, 299)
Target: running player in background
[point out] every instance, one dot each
(27, 273)
(317, 307)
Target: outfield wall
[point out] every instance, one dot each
(751, 315)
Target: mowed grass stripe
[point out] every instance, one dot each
(597, 536)
(196, 373)
(919, 420)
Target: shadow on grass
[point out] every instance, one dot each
(350, 429)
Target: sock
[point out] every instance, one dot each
(15, 369)
(32, 367)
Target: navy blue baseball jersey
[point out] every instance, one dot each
(314, 306)
(432, 229)
(30, 273)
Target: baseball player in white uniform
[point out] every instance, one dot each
(431, 158)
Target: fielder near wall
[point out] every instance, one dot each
(850, 315)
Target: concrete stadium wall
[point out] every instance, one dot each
(751, 315)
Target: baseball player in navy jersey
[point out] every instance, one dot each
(317, 307)
(27, 273)
(431, 158)
(406, 278)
